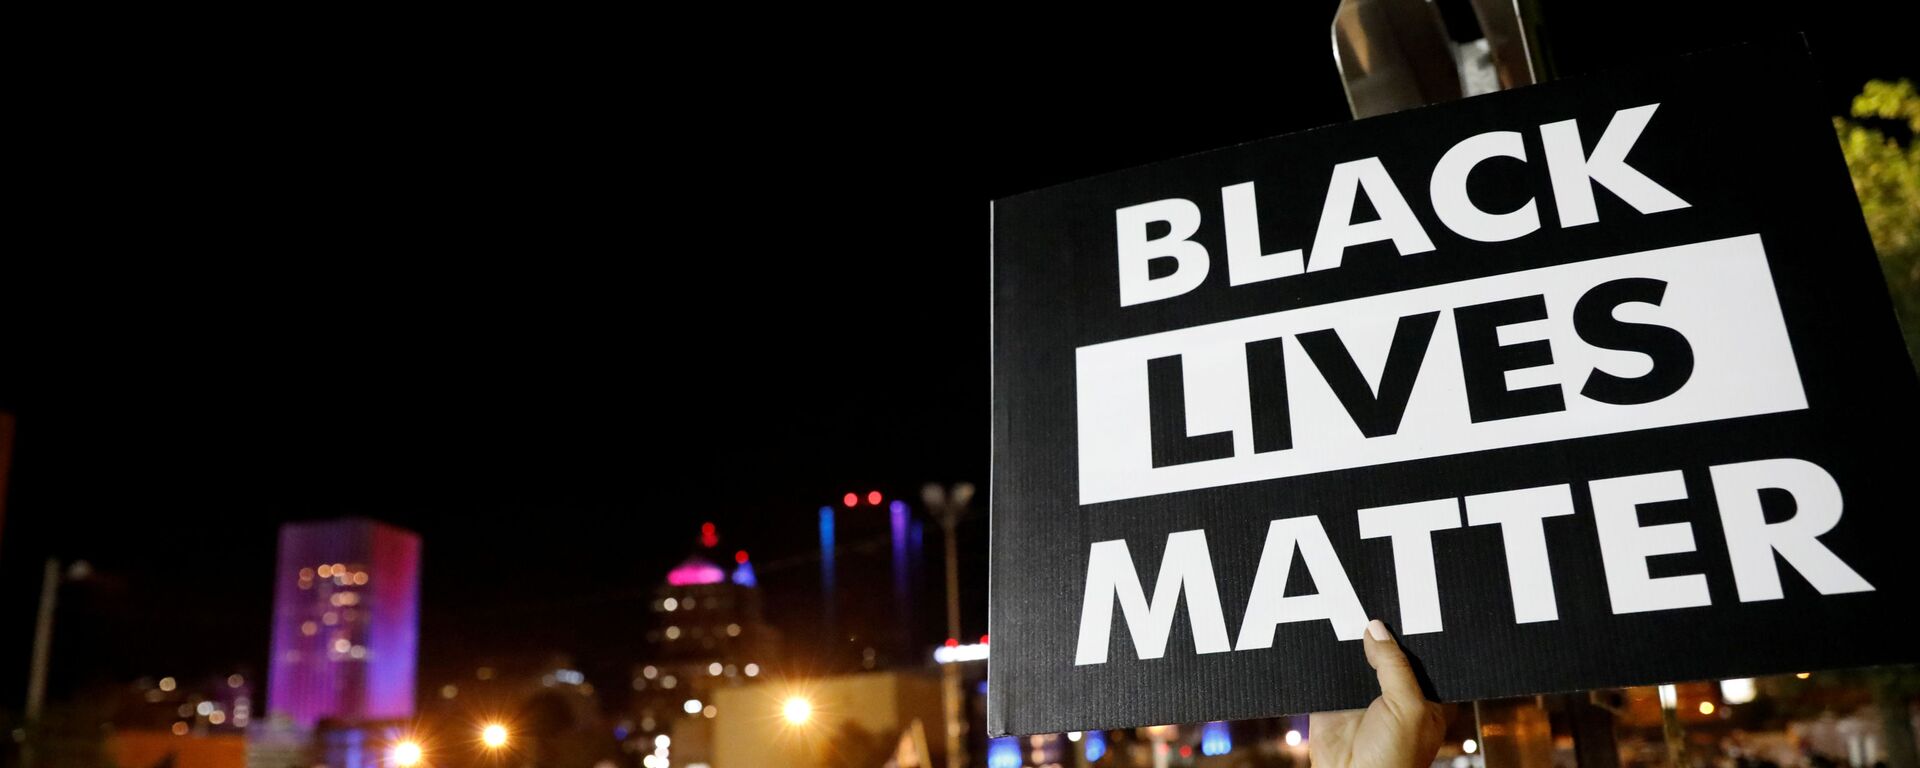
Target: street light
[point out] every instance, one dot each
(948, 506)
(407, 754)
(797, 710)
(494, 736)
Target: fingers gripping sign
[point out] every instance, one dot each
(1400, 729)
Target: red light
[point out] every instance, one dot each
(740, 557)
(708, 536)
(852, 500)
(983, 639)
(1186, 750)
(874, 498)
(952, 643)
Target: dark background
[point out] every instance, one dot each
(553, 292)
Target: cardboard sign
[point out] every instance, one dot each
(1588, 384)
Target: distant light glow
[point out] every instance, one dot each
(714, 669)
(670, 604)
(953, 654)
(1803, 675)
(1095, 745)
(235, 681)
(874, 497)
(743, 574)
(1469, 746)
(694, 571)
(709, 536)
(167, 684)
(740, 556)
(1293, 738)
(1003, 752)
(1215, 739)
(406, 754)
(1669, 698)
(1073, 736)
(494, 735)
(753, 670)
(796, 710)
(692, 706)
(851, 500)
(826, 557)
(1739, 690)
(1706, 707)
(710, 711)
(662, 741)
(569, 676)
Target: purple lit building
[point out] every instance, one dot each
(346, 622)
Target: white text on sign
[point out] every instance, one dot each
(1640, 341)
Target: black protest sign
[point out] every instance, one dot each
(1586, 384)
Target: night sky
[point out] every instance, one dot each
(552, 304)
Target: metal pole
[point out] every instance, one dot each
(42, 640)
(948, 507)
(42, 648)
(951, 696)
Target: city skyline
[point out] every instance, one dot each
(333, 357)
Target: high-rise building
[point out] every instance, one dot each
(346, 622)
(709, 632)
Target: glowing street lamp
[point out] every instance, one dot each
(494, 736)
(407, 754)
(797, 710)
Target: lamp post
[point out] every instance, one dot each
(50, 582)
(948, 506)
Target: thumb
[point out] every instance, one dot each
(1397, 685)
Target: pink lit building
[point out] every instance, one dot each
(346, 622)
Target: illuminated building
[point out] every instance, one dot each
(856, 579)
(345, 622)
(807, 725)
(708, 632)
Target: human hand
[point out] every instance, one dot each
(1400, 729)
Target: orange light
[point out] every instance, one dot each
(874, 498)
(796, 710)
(494, 735)
(407, 754)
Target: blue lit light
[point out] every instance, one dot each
(1003, 752)
(1215, 739)
(1096, 745)
(826, 547)
(897, 514)
(743, 575)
